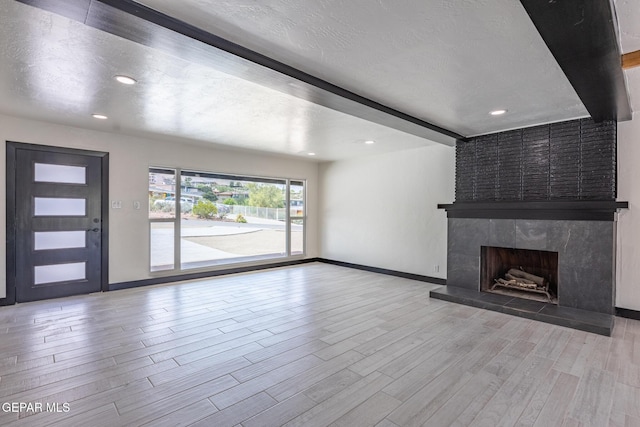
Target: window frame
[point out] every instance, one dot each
(176, 220)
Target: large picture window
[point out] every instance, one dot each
(222, 218)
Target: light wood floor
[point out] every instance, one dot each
(311, 345)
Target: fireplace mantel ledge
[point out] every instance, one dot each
(589, 210)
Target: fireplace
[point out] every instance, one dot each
(520, 273)
(540, 199)
(585, 253)
(583, 282)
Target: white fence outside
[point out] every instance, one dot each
(278, 214)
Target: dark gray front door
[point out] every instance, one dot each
(58, 224)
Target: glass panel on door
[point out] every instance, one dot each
(47, 240)
(59, 206)
(43, 274)
(61, 174)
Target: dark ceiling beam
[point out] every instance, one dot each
(630, 60)
(142, 25)
(582, 36)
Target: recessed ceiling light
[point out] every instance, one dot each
(311, 154)
(126, 80)
(369, 142)
(99, 116)
(498, 112)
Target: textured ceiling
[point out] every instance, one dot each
(62, 71)
(448, 63)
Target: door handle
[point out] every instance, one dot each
(95, 230)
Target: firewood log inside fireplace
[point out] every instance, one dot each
(520, 279)
(528, 277)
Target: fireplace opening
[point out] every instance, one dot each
(521, 273)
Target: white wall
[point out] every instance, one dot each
(130, 159)
(380, 211)
(628, 253)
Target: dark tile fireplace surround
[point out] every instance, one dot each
(547, 188)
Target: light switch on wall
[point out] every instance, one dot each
(136, 204)
(116, 204)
